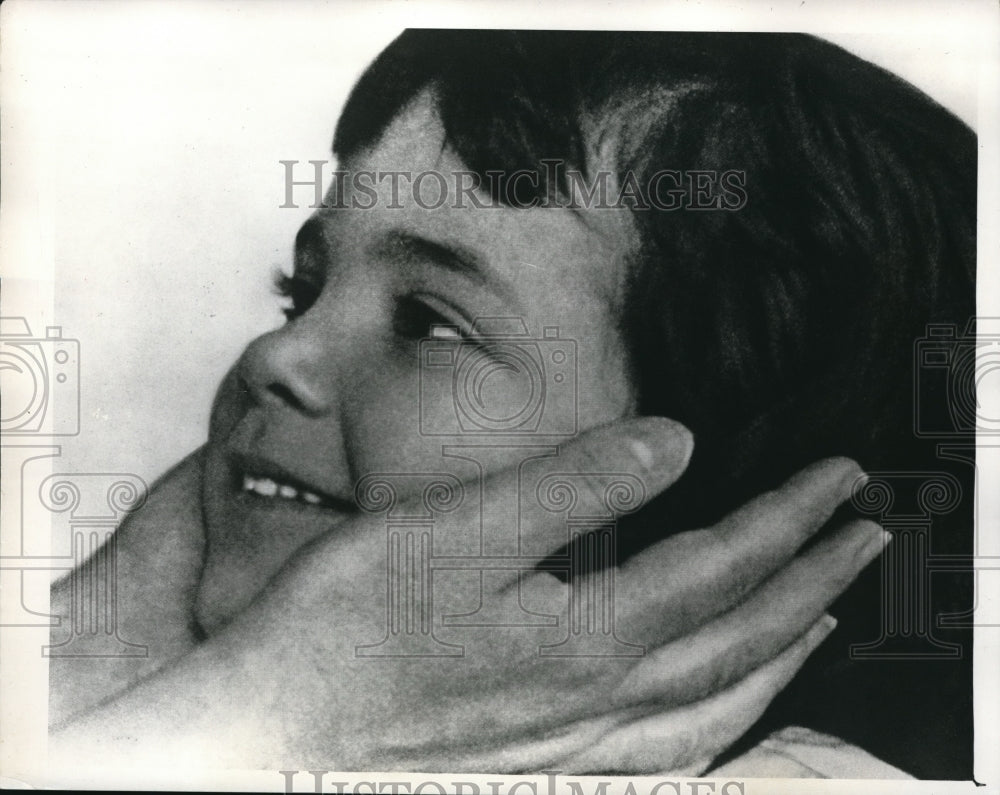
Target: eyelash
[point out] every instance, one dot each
(301, 293)
(412, 318)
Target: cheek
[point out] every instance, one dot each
(230, 404)
(606, 390)
(380, 417)
(397, 422)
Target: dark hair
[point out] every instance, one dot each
(779, 333)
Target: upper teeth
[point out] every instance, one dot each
(266, 487)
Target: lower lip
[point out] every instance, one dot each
(252, 498)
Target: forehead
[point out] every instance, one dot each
(575, 252)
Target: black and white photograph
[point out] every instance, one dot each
(480, 399)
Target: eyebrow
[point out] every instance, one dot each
(405, 247)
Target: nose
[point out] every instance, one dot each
(311, 366)
(287, 368)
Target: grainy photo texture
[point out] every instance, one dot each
(622, 422)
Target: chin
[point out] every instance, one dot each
(254, 524)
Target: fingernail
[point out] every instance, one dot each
(642, 452)
(855, 479)
(873, 545)
(663, 443)
(821, 630)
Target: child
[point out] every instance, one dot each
(783, 222)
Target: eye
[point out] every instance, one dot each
(298, 293)
(414, 318)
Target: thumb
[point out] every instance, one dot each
(607, 471)
(655, 449)
(517, 516)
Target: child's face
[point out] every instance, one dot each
(336, 393)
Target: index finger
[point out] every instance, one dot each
(697, 575)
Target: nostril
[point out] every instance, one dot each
(282, 369)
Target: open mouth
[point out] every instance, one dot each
(267, 481)
(267, 487)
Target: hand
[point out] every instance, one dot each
(159, 553)
(728, 614)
